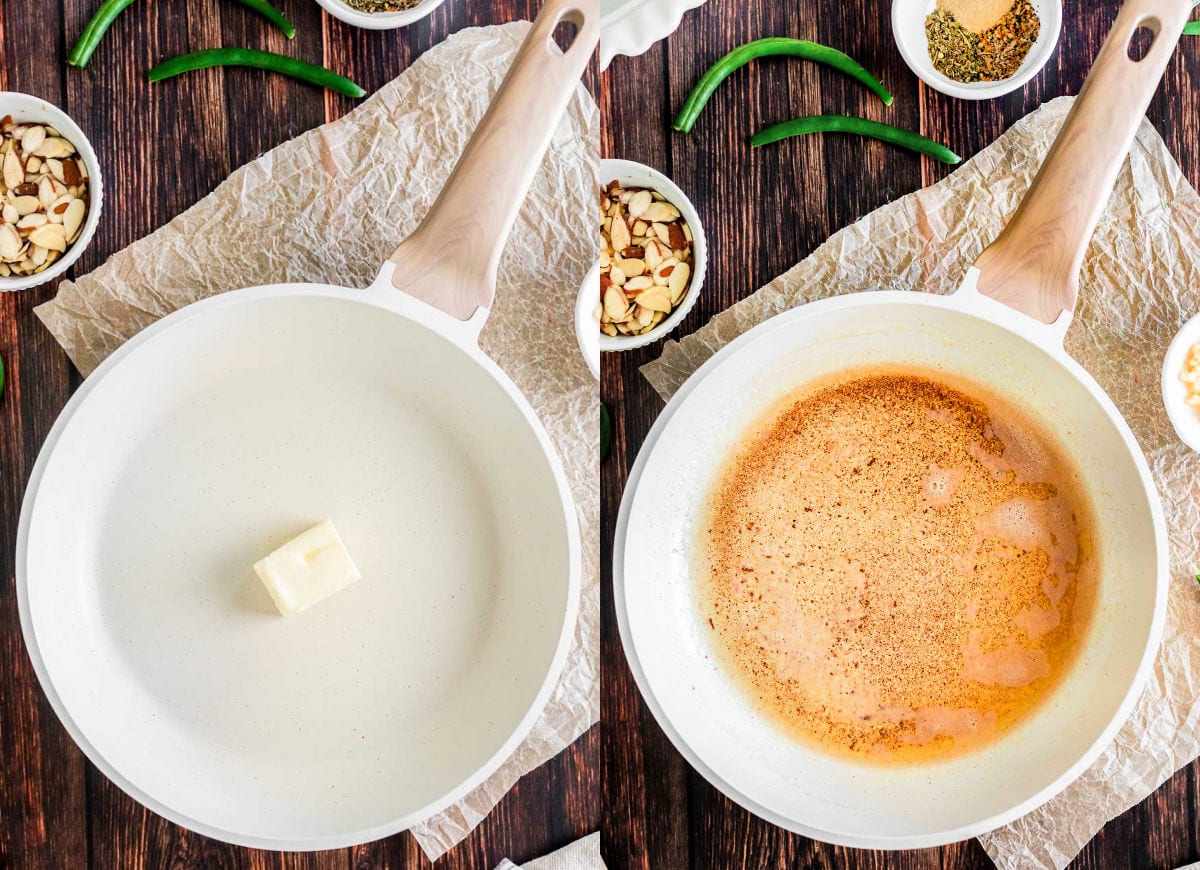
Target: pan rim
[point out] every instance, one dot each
(961, 832)
(401, 308)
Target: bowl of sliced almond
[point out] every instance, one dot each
(652, 255)
(50, 191)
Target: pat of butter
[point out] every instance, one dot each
(307, 569)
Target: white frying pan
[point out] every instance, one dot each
(227, 428)
(1004, 330)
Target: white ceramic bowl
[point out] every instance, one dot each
(29, 109)
(631, 173)
(908, 28)
(630, 27)
(1183, 416)
(379, 20)
(587, 323)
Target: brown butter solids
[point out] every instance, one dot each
(895, 568)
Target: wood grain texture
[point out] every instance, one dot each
(764, 210)
(161, 148)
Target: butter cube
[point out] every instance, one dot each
(307, 569)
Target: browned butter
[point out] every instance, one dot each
(896, 568)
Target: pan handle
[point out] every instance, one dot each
(450, 260)
(1034, 264)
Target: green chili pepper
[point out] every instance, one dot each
(289, 66)
(605, 431)
(269, 12)
(95, 29)
(860, 126)
(772, 45)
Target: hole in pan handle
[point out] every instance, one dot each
(1033, 266)
(450, 260)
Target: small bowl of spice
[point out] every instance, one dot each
(976, 49)
(379, 14)
(652, 255)
(50, 191)
(1181, 383)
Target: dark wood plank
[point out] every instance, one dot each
(763, 213)
(42, 774)
(163, 147)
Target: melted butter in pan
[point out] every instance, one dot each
(896, 568)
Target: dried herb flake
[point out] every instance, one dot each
(993, 55)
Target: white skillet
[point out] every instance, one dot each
(232, 425)
(1003, 329)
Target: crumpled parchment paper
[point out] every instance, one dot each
(1140, 282)
(583, 854)
(330, 206)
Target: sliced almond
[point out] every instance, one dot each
(32, 138)
(56, 168)
(46, 192)
(660, 212)
(632, 268)
(619, 234)
(10, 213)
(55, 147)
(10, 242)
(641, 282)
(639, 203)
(656, 299)
(31, 221)
(71, 173)
(663, 234)
(51, 236)
(26, 204)
(678, 280)
(59, 207)
(73, 218)
(654, 254)
(677, 239)
(615, 304)
(33, 166)
(664, 270)
(37, 254)
(14, 172)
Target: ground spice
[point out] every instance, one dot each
(993, 55)
(381, 5)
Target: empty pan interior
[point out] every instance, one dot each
(214, 442)
(710, 719)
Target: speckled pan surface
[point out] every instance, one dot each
(201, 446)
(631, 26)
(668, 645)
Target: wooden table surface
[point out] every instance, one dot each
(161, 148)
(763, 211)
